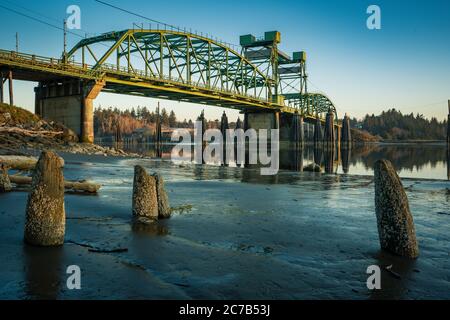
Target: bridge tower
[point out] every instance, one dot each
(69, 102)
(288, 85)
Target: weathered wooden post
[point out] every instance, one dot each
(318, 137)
(346, 138)
(328, 136)
(223, 129)
(448, 125)
(202, 119)
(45, 215)
(394, 220)
(145, 200)
(448, 163)
(5, 183)
(150, 199)
(239, 124)
(224, 125)
(297, 130)
(164, 210)
(158, 134)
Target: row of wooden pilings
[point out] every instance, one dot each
(327, 137)
(45, 221)
(331, 135)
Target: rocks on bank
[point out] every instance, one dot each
(21, 130)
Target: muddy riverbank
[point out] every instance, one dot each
(234, 235)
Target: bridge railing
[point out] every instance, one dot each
(87, 70)
(49, 63)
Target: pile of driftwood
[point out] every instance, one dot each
(31, 133)
(26, 163)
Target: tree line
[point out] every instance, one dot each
(389, 125)
(107, 120)
(393, 125)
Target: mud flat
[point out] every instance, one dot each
(233, 235)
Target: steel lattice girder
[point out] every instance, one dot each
(181, 57)
(197, 63)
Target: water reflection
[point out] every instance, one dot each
(150, 228)
(43, 270)
(346, 155)
(430, 161)
(448, 162)
(393, 270)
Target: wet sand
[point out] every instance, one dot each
(292, 236)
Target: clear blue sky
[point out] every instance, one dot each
(405, 65)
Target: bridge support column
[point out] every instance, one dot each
(11, 91)
(69, 103)
(346, 139)
(90, 92)
(1, 87)
(262, 120)
(291, 129)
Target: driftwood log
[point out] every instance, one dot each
(78, 186)
(31, 133)
(22, 162)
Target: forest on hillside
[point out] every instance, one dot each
(393, 125)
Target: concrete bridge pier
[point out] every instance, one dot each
(69, 103)
(1, 87)
(262, 120)
(3, 78)
(291, 129)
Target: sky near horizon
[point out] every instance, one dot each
(404, 65)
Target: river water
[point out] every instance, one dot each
(236, 234)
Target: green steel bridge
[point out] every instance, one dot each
(182, 66)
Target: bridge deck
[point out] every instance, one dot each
(136, 82)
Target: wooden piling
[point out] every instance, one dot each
(204, 128)
(395, 223)
(223, 129)
(329, 135)
(448, 125)
(346, 139)
(224, 125)
(45, 215)
(145, 199)
(318, 137)
(297, 130)
(239, 124)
